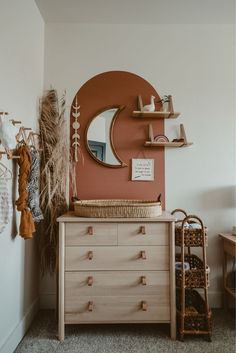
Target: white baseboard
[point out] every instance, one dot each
(19, 331)
(215, 299)
(48, 300)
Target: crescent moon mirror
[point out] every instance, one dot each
(99, 137)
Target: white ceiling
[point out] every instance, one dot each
(138, 11)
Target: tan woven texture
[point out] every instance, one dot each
(196, 318)
(195, 277)
(118, 208)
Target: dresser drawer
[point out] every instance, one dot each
(91, 234)
(143, 234)
(116, 258)
(118, 284)
(117, 309)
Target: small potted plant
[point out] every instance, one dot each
(165, 103)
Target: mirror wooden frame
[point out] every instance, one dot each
(119, 109)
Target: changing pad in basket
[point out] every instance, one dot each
(117, 208)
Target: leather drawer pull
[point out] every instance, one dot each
(143, 255)
(90, 230)
(144, 305)
(142, 230)
(144, 280)
(90, 306)
(90, 281)
(90, 255)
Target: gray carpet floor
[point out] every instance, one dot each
(154, 338)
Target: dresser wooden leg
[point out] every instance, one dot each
(173, 331)
(61, 283)
(61, 331)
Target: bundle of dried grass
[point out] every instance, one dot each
(53, 178)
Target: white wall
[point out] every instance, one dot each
(194, 63)
(21, 84)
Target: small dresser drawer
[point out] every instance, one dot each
(117, 309)
(116, 258)
(143, 234)
(91, 234)
(118, 284)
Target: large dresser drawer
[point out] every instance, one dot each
(143, 234)
(116, 258)
(116, 283)
(91, 233)
(117, 309)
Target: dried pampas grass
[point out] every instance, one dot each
(53, 178)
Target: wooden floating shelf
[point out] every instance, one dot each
(167, 144)
(157, 114)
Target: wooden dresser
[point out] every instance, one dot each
(116, 270)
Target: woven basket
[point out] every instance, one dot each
(192, 237)
(195, 277)
(196, 319)
(117, 208)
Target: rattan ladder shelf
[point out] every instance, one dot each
(193, 312)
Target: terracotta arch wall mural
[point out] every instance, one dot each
(94, 181)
